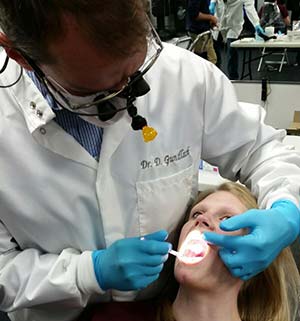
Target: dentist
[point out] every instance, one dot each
(102, 129)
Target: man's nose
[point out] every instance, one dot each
(204, 221)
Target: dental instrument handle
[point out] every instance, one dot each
(175, 253)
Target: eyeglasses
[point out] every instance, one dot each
(154, 48)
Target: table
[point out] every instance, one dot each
(248, 44)
(293, 142)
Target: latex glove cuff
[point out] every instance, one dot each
(212, 8)
(259, 30)
(291, 213)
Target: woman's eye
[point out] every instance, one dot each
(225, 217)
(196, 214)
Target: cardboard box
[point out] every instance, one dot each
(294, 128)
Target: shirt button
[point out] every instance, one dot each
(43, 131)
(39, 113)
(32, 105)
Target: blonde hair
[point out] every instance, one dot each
(272, 295)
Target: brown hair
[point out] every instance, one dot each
(116, 26)
(273, 294)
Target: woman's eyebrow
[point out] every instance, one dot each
(229, 210)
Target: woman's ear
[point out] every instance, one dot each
(13, 53)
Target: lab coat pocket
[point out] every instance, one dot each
(163, 201)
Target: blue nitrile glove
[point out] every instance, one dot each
(132, 263)
(269, 232)
(259, 30)
(212, 8)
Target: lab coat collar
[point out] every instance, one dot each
(38, 116)
(37, 113)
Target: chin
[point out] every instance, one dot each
(207, 276)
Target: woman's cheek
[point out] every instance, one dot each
(183, 233)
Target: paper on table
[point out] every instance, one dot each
(247, 39)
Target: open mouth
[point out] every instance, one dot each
(193, 249)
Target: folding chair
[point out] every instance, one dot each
(188, 43)
(199, 37)
(282, 61)
(183, 42)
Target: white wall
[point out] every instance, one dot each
(283, 99)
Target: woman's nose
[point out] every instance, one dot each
(204, 221)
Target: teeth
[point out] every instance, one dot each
(189, 253)
(193, 248)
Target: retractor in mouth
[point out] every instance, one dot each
(193, 249)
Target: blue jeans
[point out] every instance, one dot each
(232, 60)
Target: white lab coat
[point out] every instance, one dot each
(232, 20)
(58, 203)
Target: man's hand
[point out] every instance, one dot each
(213, 21)
(270, 231)
(259, 30)
(132, 263)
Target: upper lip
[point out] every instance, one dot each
(193, 237)
(201, 229)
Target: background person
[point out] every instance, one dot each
(207, 290)
(294, 6)
(199, 20)
(231, 26)
(274, 14)
(80, 186)
(217, 11)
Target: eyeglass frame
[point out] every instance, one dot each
(131, 80)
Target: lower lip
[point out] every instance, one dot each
(191, 260)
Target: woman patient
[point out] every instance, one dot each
(207, 291)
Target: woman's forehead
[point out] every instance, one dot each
(222, 199)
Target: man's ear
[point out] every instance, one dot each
(13, 53)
